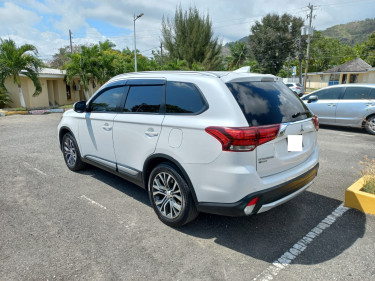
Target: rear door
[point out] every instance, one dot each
(137, 129)
(326, 105)
(266, 103)
(353, 106)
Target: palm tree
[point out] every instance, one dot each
(85, 66)
(15, 61)
(238, 54)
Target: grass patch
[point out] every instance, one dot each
(368, 173)
(66, 106)
(17, 109)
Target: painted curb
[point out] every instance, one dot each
(360, 200)
(38, 112)
(16, 112)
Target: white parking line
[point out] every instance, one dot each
(35, 169)
(93, 202)
(347, 135)
(287, 258)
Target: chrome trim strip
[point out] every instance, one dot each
(283, 126)
(101, 161)
(274, 204)
(127, 170)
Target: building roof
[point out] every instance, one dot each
(356, 65)
(52, 71)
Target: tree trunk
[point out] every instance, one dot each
(22, 100)
(91, 88)
(86, 94)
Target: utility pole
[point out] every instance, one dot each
(71, 46)
(311, 7)
(300, 58)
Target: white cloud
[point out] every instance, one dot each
(231, 19)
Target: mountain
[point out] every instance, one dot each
(351, 33)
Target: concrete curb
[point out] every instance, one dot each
(360, 200)
(34, 112)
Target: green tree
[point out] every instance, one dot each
(16, 60)
(239, 52)
(327, 52)
(368, 51)
(189, 37)
(85, 66)
(273, 40)
(4, 98)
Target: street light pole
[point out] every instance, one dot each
(135, 44)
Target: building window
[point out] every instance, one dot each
(68, 92)
(353, 78)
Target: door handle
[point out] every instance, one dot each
(331, 104)
(106, 127)
(151, 133)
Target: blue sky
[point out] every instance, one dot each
(46, 23)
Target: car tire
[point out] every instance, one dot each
(170, 196)
(370, 125)
(72, 155)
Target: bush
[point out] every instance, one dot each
(4, 98)
(368, 173)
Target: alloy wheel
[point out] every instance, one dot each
(167, 195)
(70, 152)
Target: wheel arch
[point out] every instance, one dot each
(62, 132)
(366, 118)
(156, 159)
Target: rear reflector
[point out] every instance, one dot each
(250, 207)
(316, 122)
(243, 138)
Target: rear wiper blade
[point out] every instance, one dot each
(300, 113)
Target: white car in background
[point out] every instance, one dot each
(297, 88)
(226, 143)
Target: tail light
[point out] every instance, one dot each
(243, 138)
(316, 122)
(299, 88)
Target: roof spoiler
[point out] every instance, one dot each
(245, 69)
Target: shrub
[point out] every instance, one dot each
(368, 173)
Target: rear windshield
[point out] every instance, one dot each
(265, 103)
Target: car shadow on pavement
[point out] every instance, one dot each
(269, 235)
(344, 129)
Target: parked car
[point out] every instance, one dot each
(351, 105)
(226, 143)
(297, 88)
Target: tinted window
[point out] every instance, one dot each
(289, 85)
(107, 101)
(329, 94)
(144, 99)
(183, 98)
(372, 94)
(265, 103)
(357, 93)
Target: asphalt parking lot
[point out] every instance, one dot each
(60, 225)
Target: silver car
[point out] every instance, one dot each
(351, 105)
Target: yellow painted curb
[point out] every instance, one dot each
(16, 112)
(360, 200)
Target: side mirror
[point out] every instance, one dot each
(80, 106)
(312, 98)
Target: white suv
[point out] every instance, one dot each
(226, 143)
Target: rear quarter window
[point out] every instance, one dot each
(265, 103)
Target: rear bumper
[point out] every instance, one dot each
(267, 199)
